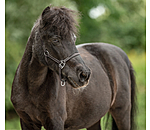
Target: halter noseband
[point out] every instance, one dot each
(61, 63)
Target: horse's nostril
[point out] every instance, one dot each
(83, 76)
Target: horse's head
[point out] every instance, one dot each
(54, 41)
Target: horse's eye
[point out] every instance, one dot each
(56, 41)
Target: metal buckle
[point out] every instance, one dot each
(62, 64)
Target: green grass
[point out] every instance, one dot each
(139, 63)
(13, 124)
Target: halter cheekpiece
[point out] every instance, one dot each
(61, 63)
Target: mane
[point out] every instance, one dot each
(60, 21)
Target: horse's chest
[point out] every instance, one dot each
(42, 109)
(33, 112)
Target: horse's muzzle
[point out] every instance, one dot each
(82, 79)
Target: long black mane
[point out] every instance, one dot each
(61, 21)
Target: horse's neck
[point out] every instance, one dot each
(30, 72)
(36, 74)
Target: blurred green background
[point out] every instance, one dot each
(118, 22)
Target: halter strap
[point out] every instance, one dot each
(61, 63)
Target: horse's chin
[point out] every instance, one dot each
(76, 85)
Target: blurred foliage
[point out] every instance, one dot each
(122, 24)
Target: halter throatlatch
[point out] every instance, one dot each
(61, 63)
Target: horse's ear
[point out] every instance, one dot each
(44, 15)
(46, 10)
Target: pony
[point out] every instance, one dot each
(61, 86)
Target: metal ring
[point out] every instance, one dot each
(46, 53)
(63, 82)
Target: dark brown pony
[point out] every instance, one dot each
(60, 86)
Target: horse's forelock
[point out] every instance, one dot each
(61, 20)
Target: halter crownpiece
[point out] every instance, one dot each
(61, 63)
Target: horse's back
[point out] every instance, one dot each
(110, 50)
